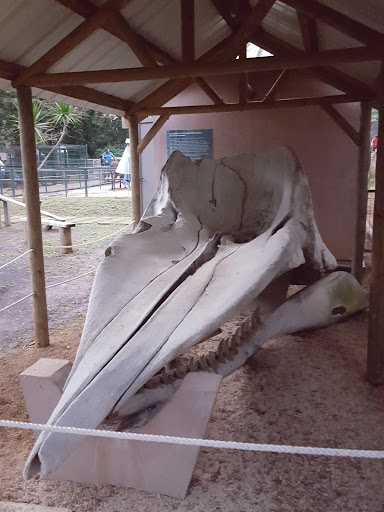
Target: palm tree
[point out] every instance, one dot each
(41, 122)
(61, 115)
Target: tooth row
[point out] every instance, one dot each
(226, 350)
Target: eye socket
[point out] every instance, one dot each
(339, 310)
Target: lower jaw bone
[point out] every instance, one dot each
(197, 263)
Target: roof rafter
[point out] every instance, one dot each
(328, 74)
(273, 44)
(227, 48)
(187, 30)
(197, 69)
(73, 39)
(86, 9)
(9, 70)
(340, 120)
(336, 19)
(309, 33)
(308, 29)
(254, 105)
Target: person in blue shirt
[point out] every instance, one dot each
(106, 157)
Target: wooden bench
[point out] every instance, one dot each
(64, 231)
(7, 219)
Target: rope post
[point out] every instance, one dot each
(134, 168)
(31, 191)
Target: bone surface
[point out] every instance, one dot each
(215, 237)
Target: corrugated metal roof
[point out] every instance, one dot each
(282, 21)
(31, 27)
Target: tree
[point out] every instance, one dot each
(8, 112)
(98, 131)
(94, 129)
(61, 115)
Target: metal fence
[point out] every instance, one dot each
(65, 156)
(57, 180)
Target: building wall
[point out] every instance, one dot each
(327, 155)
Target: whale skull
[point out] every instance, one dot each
(217, 237)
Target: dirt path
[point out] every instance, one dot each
(64, 302)
(302, 390)
(306, 390)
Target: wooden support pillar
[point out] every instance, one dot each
(31, 191)
(375, 359)
(362, 191)
(135, 168)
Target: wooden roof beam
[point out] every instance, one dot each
(73, 39)
(316, 10)
(328, 74)
(276, 46)
(9, 70)
(255, 105)
(187, 30)
(87, 94)
(123, 31)
(342, 123)
(308, 33)
(225, 49)
(243, 79)
(197, 69)
(86, 9)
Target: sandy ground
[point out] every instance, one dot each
(307, 389)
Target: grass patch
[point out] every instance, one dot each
(82, 206)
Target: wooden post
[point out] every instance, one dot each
(65, 240)
(375, 359)
(134, 168)
(7, 218)
(362, 191)
(31, 190)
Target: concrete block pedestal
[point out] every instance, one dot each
(153, 467)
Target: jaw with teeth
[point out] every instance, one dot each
(217, 237)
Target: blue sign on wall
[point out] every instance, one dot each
(192, 143)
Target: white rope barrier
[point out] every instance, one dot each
(72, 279)
(18, 257)
(49, 286)
(14, 303)
(207, 443)
(88, 243)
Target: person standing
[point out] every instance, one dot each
(374, 144)
(107, 157)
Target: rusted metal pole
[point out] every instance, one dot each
(375, 359)
(362, 191)
(31, 190)
(134, 163)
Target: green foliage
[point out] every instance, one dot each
(8, 112)
(374, 115)
(82, 126)
(98, 131)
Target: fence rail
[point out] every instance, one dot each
(57, 180)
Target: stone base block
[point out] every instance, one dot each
(153, 467)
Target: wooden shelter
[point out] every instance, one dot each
(131, 57)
